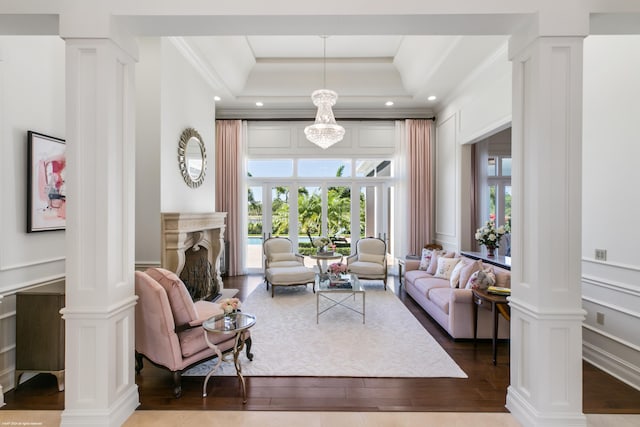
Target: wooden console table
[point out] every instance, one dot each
(495, 303)
(40, 332)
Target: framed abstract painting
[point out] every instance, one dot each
(46, 200)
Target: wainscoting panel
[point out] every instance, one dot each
(611, 297)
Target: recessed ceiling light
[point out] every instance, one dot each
(216, 98)
(388, 103)
(259, 104)
(432, 98)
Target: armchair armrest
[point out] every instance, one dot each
(352, 258)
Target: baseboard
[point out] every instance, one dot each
(611, 364)
(528, 416)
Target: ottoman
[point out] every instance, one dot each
(289, 276)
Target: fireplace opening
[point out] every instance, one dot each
(198, 275)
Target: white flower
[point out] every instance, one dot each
(501, 230)
(492, 237)
(478, 235)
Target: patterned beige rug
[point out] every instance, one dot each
(288, 342)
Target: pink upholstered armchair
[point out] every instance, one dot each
(168, 325)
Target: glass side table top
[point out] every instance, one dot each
(229, 323)
(325, 285)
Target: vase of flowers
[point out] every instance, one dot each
(490, 236)
(230, 306)
(321, 243)
(336, 269)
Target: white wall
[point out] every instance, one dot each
(611, 206)
(186, 101)
(32, 97)
(480, 106)
(170, 96)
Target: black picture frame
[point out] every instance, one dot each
(46, 191)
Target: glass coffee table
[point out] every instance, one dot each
(230, 324)
(338, 293)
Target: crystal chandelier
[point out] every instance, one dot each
(325, 131)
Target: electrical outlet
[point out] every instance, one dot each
(600, 318)
(601, 254)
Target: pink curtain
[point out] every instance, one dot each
(420, 197)
(228, 182)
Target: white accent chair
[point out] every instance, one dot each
(282, 266)
(370, 260)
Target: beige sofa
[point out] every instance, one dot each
(452, 307)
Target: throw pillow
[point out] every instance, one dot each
(378, 259)
(433, 264)
(455, 274)
(470, 268)
(445, 267)
(482, 279)
(284, 256)
(425, 259)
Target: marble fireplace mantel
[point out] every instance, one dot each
(184, 231)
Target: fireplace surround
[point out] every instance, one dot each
(191, 247)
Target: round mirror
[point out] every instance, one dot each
(192, 157)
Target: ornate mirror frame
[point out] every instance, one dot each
(191, 150)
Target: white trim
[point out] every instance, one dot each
(613, 307)
(31, 264)
(611, 364)
(609, 336)
(611, 264)
(200, 66)
(33, 284)
(611, 285)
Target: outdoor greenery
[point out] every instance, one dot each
(309, 215)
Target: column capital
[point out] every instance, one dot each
(80, 23)
(564, 19)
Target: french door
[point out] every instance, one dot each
(302, 210)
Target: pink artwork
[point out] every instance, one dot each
(47, 193)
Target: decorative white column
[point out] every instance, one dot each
(100, 378)
(546, 309)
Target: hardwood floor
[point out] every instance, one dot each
(484, 390)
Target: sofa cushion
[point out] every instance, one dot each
(280, 264)
(366, 268)
(372, 258)
(425, 285)
(412, 275)
(503, 278)
(446, 267)
(283, 256)
(441, 298)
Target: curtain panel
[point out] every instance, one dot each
(229, 194)
(420, 188)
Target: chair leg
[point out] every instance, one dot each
(248, 343)
(138, 363)
(177, 383)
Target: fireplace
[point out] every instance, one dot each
(191, 247)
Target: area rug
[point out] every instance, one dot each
(288, 342)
